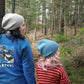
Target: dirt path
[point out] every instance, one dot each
(40, 36)
(33, 43)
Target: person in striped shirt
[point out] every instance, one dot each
(49, 69)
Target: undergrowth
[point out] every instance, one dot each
(72, 55)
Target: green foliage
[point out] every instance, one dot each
(59, 32)
(65, 52)
(74, 67)
(46, 37)
(80, 36)
(79, 59)
(62, 38)
(43, 26)
(81, 32)
(74, 62)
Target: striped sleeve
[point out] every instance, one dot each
(63, 76)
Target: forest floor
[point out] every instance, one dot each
(40, 36)
(33, 43)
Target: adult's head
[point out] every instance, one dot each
(11, 21)
(14, 23)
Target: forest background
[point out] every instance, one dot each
(58, 20)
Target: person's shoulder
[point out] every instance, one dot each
(59, 68)
(23, 41)
(2, 35)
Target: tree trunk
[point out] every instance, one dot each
(65, 27)
(60, 18)
(75, 18)
(13, 6)
(34, 37)
(44, 20)
(2, 13)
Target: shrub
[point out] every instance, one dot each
(80, 36)
(65, 52)
(81, 31)
(59, 32)
(75, 68)
(62, 38)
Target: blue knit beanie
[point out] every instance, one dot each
(47, 48)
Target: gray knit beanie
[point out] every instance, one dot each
(11, 21)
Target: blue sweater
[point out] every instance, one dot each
(16, 61)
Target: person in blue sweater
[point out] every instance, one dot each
(16, 58)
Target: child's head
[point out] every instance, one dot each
(47, 48)
(50, 52)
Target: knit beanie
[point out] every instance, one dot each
(47, 48)
(11, 21)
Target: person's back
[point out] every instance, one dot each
(10, 64)
(52, 76)
(16, 58)
(49, 69)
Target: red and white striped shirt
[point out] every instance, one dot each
(52, 76)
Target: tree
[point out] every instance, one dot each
(13, 6)
(50, 15)
(2, 12)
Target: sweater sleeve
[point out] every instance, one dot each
(28, 64)
(63, 77)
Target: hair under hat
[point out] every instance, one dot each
(11, 21)
(47, 48)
